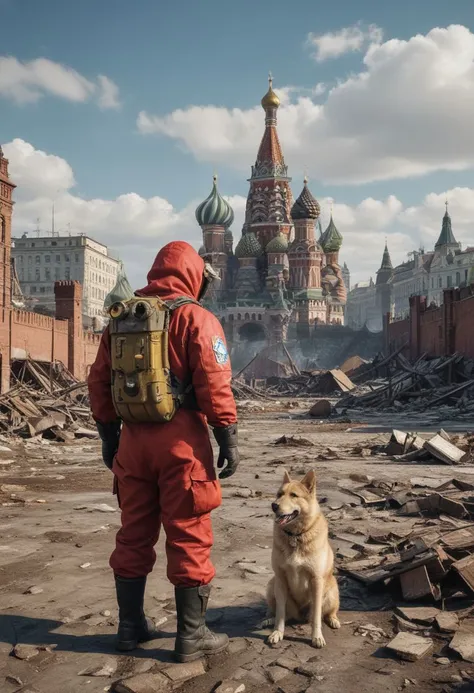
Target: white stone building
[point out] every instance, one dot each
(42, 260)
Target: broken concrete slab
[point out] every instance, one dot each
(443, 450)
(143, 683)
(465, 568)
(321, 409)
(447, 622)
(463, 644)
(410, 647)
(276, 674)
(424, 615)
(25, 652)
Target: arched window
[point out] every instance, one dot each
(3, 227)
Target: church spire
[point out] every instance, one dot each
(446, 237)
(386, 259)
(270, 161)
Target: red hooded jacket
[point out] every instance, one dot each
(178, 271)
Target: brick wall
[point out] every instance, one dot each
(437, 331)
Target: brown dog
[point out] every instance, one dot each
(303, 585)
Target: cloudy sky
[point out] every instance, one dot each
(120, 112)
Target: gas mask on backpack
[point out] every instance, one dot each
(209, 277)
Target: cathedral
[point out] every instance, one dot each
(280, 281)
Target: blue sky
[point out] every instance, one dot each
(169, 56)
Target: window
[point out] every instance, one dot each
(76, 257)
(67, 273)
(3, 226)
(47, 258)
(458, 278)
(20, 274)
(67, 258)
(58, 258)
(37, 259)
(465, 275)
(33, 289)
(30, 259)
(47, 274)
(42, 289)
(432, 282)
(450, 281)
(57, 273)
(32, 245)
(37, 275)
(440, 282)
(20, 259)
(54, 243)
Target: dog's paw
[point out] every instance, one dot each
(318, 641)
(266, 623)
(333, 622)
(275, 637)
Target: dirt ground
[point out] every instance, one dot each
(57, 524)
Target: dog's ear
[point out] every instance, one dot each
(286, 478)
(309, 481)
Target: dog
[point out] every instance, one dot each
(303, 585)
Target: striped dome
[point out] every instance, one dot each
(279, 244)
(215, 211)
(248, 246)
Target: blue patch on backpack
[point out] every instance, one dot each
(220, 350)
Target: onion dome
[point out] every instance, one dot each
(279, 244)
(332, 239)
(306, 206)
(215, 211)
(270, 100)
(248, 246)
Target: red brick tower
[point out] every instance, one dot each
(269, 200)
(6, 209)
(68, 295)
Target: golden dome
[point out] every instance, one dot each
(270, 100)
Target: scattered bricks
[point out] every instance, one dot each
(463, 644)
(178, 673)
(230, 687)
(143, 683)
(410, 647)
(25, 652)
(447, 622)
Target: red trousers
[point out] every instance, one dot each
(164, 475)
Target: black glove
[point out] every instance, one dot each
(227, 440)
(110, 435)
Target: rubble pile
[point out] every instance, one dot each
(426, 550)
(440, 448)
(315, 383)
(45, 399)
(445, 383)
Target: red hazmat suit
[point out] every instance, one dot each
(164, 473)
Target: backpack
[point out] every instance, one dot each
(143, 388)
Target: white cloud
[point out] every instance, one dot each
(346, 40)
(407, 113)
(135, 227)
(29, 81)
(109, 96)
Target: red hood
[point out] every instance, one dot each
(177, 271)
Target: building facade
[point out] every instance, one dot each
(44, 260)
(425, 274)
(281, 280)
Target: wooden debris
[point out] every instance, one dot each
(416, 584)
(465, 568)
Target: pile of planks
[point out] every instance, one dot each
(433, 556)
(426, 384)
(45, 399)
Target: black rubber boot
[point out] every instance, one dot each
(194, 639)
(133, 627)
